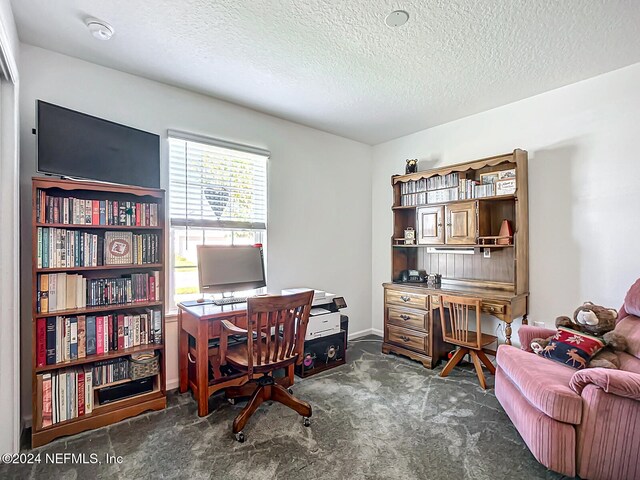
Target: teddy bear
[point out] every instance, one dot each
(412, 166)
(597, 321)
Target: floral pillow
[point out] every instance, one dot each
(572, 348)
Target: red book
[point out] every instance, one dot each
(99, 335)
(138, 214)
(47, 410)
(121, 331)
(116, 217)
(110, 332)
(81, 393)
(95, 212)
(41, 342)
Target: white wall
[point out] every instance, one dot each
(319, 232)
(584, 189)
(9, 239)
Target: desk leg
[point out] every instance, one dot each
(183, 352)
(507, 331)
(202, 369)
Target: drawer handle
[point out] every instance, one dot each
(405, 317)
(405, 298)
(405, 338)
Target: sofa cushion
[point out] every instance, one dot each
(544, 383)
(572, 348)
(629, 327)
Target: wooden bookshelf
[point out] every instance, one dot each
(128, 407)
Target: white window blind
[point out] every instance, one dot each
(216, 184)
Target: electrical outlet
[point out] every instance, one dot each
(487, 253)
(539, 324)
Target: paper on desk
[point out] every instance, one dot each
(319, 311)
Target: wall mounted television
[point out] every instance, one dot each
(77, 145)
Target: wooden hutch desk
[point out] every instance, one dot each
(440, 206)
(202, 322)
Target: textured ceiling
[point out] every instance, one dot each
(336, 66)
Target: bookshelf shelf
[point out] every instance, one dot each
(101, 357)
(100, 268)
(101, 308)
(109, 413)
(95, 227)
(138, 281)
(493, 198)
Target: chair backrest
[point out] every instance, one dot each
(455, 325)
(279, 325)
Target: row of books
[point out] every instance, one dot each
(64, 291)
(80, 211)
(466, 190)
(431, 183)
(61, 339)
(127, 248)
(109, 371)
(61, 248)
(65, 394)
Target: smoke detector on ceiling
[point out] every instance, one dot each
(99, 29)
(396, 18)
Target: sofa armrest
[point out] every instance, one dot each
(526, 333)
(618, 382)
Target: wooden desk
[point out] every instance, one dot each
(202, 322)
(411, 328)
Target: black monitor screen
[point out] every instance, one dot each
(74, 144)
(230, 269)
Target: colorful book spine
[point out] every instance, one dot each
(51, 340)
(41, 342)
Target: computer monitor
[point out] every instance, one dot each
(230, 269)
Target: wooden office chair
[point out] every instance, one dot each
(276, 328)
(455, 330)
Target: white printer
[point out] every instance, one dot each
(324, 319)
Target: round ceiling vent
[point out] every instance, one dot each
(99, 29)
(396, 18)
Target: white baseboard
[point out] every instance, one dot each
(363, 333)
(172, 384)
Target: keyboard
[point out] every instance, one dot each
(229, 300)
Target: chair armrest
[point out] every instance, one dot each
(618, 382)
(227, 328)
(526, 333)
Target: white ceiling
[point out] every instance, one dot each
(335, 65)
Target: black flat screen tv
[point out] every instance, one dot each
(74, 144)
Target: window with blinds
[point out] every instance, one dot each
(216, 187)
(218, 196)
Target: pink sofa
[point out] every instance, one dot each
(584, 422)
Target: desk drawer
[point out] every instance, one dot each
(493, 308)
(404, 317)
(412, 339)
(407, 299)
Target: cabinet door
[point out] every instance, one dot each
(430, 225)
(461, 224)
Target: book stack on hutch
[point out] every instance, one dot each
(98, 305)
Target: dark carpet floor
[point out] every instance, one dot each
(378, 417)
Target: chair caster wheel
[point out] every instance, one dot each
(290, 391)
(240, 437)
(232, 401)
(306, 421)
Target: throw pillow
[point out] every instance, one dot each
(572, 348)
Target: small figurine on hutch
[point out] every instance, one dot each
(412, 166)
